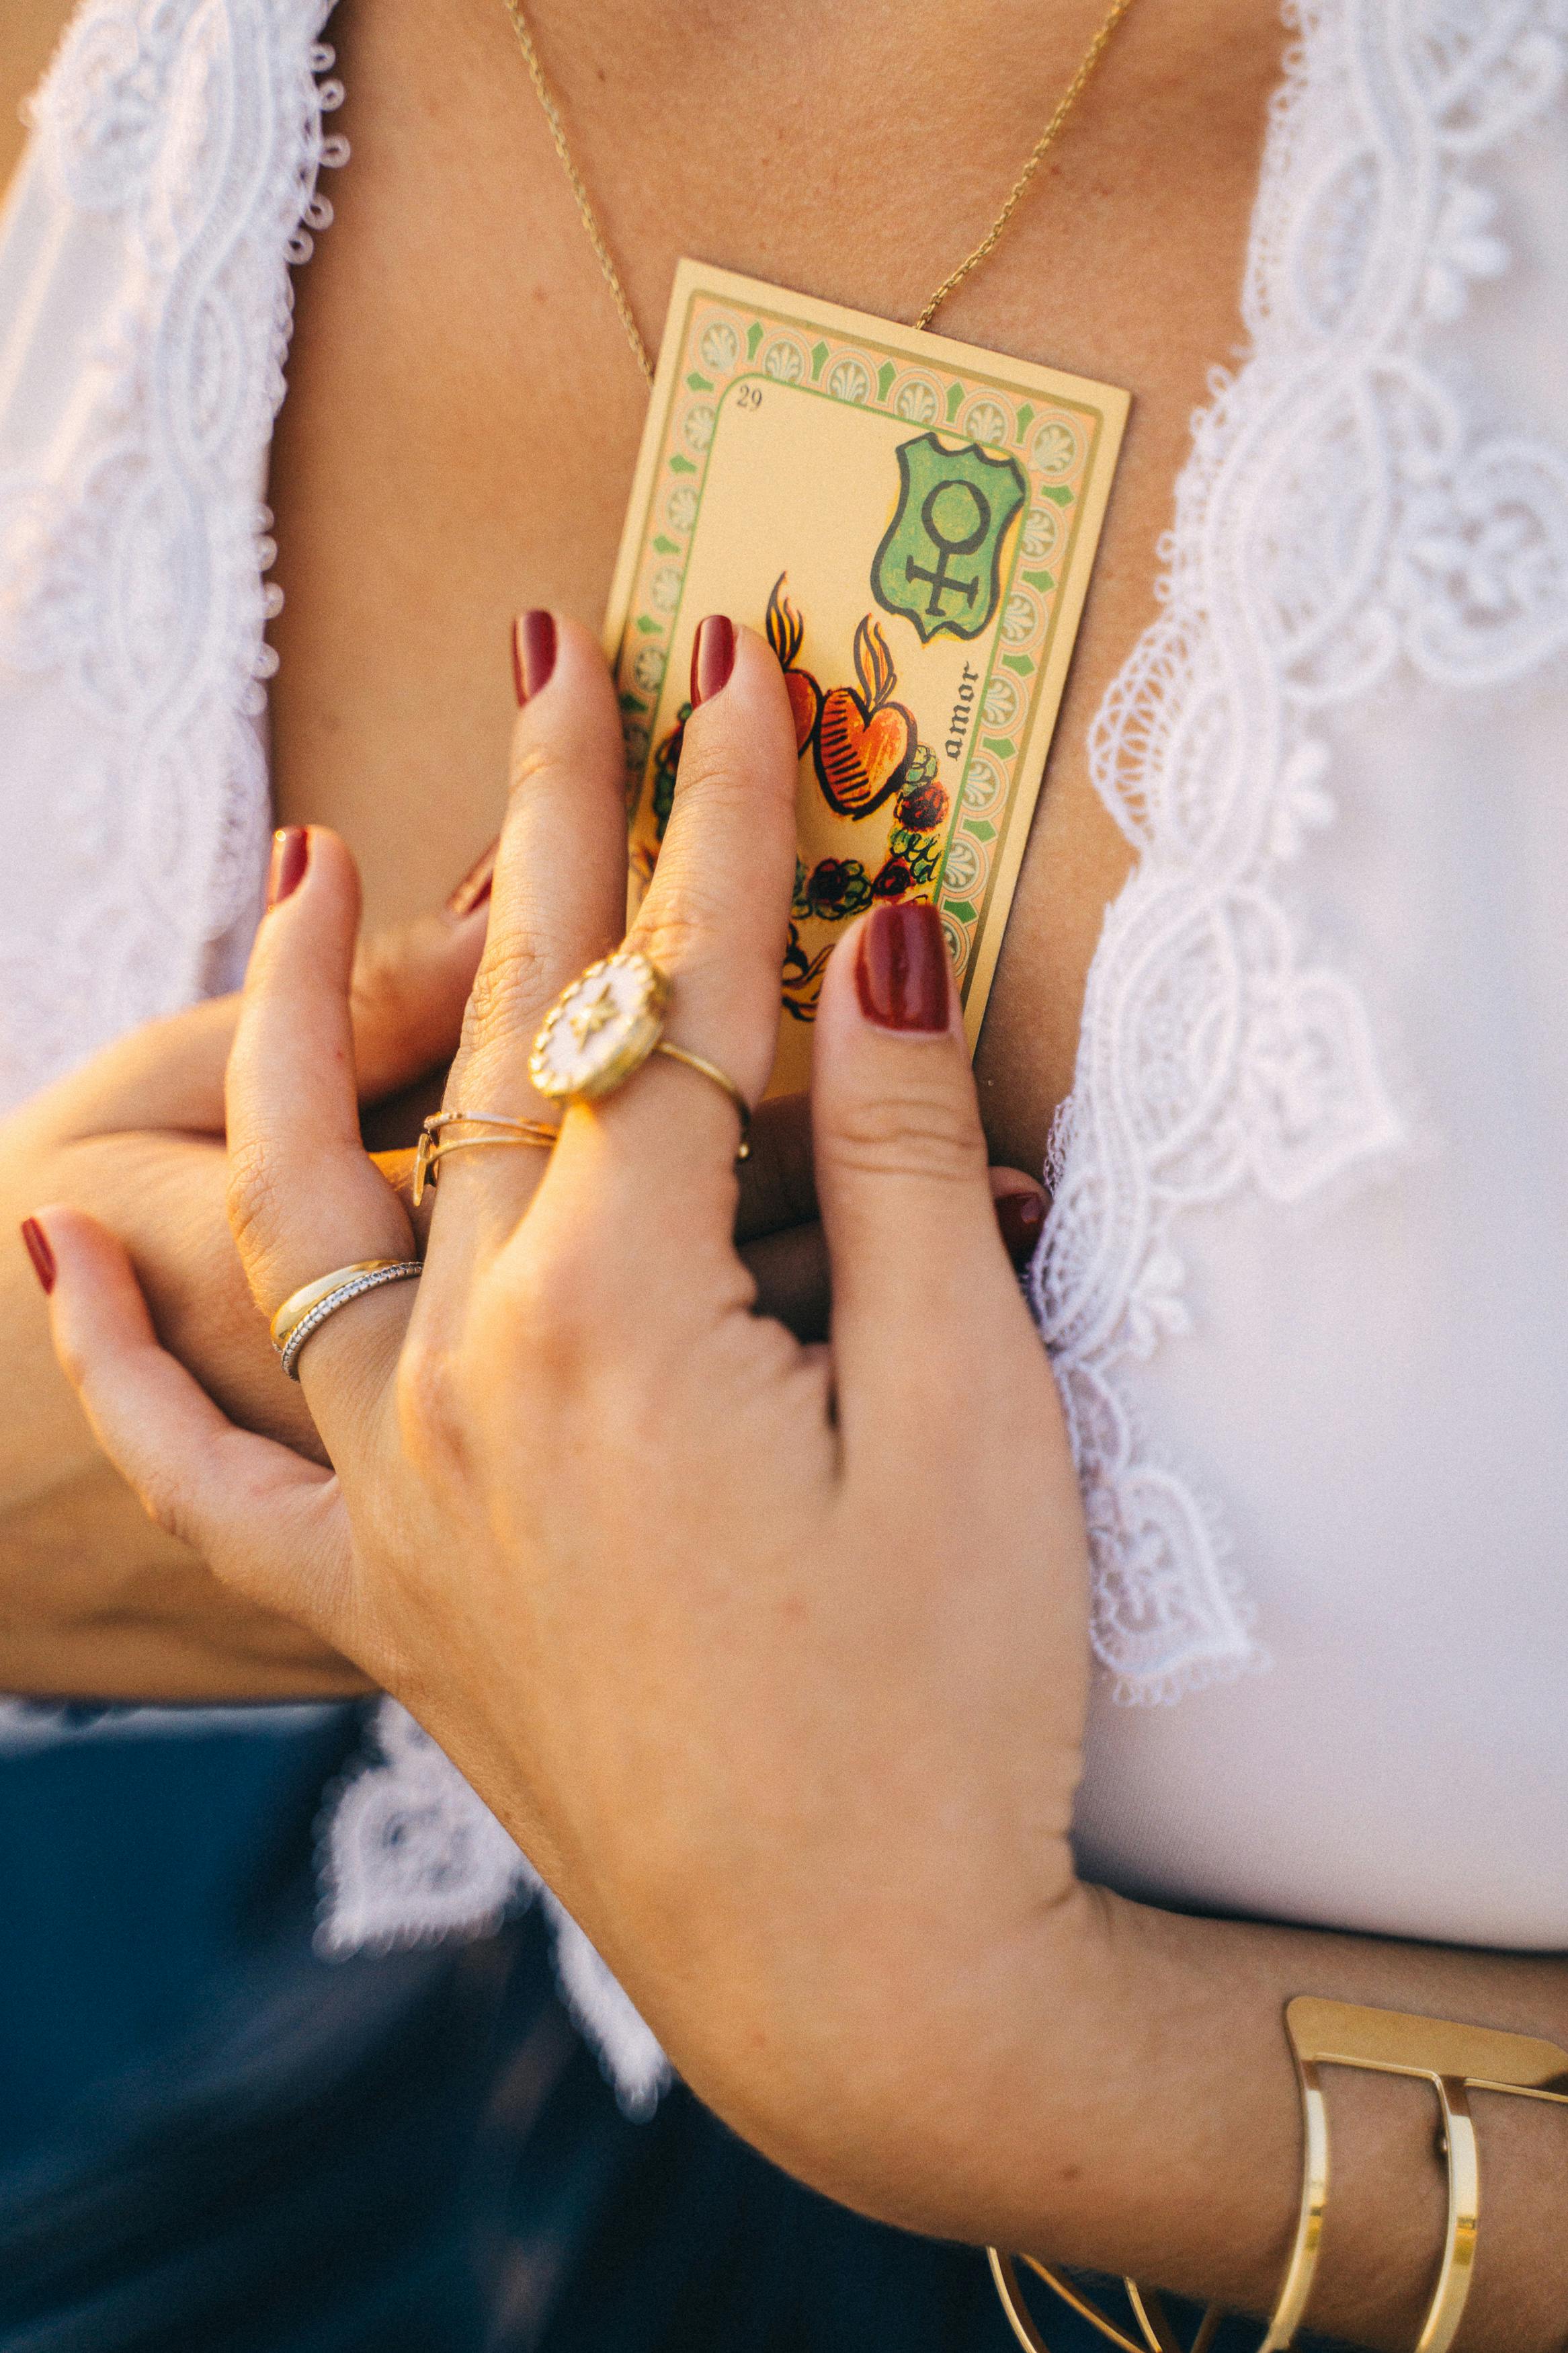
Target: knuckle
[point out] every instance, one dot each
(538, 770)
(549, 1295)
(506, 992)
(430, 1405)
(908, 1134)
(253, 1194)
(168, 1502)
(383, 988)
(716, 773)
(686, 930)
(527, 1335)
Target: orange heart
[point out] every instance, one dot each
(804, 694)
(860, 754)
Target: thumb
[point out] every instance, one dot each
(926, 1304)
(410, 986)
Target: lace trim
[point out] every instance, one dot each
(1338, 516)
(26, 1725)
(410, 1856)
(628, 2051)
(181, 141)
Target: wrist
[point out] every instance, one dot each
(927, 2081)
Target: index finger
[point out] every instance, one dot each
(714, 924)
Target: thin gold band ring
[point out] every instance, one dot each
(434, 1142)
(706, 1070)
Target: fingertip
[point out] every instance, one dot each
(198, 1477)
(319, 903)
(78, 1242)
(553, 649)
(36, 1244)
(899, 1135)
(734, 804)
(568, 716)
(286, 869)
(712, 658)
(535, 640)
(95, 1306)
(889, 976)
(903, 973)
(63, 1242)
(1020, 1213)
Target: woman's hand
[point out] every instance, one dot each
(711, 1617)
(94, 1601)
(772, 1655)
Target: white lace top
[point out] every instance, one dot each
(1306, 1277)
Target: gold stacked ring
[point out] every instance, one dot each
(306, 1310)
(434, 1141)
(601, 1030)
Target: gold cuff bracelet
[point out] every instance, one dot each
(1455, 2059)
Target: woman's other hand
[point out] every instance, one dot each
(94, 1601)
(772, 1655)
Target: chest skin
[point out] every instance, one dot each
(463, 411)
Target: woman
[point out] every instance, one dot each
(1343, 512)
(424, 2142)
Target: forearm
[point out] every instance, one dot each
(1128, 2103)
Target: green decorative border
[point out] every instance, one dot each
(645, 626)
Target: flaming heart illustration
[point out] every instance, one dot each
(785, 630)
(864, 740)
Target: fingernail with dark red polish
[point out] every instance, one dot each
(712, 657)
(1020, 1217)
(39, 1250)
(901, 968)
(532, 653)
(474, 888)
(290, 855)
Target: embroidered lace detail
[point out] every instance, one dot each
(1338, 516)
(182, 141)
(31, 1724)
(410, 1855)
(628, 2051)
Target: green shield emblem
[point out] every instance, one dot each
(940, 563)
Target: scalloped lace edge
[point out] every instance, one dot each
(1218, 1052)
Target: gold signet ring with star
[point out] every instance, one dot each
(601, 1030)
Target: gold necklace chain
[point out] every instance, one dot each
(950, 284)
